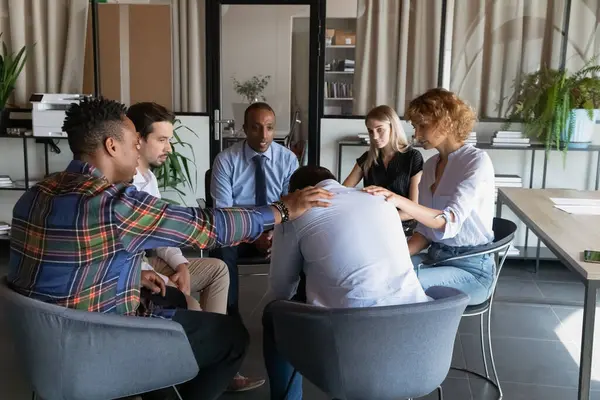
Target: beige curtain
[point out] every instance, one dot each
(584, 33)
(397, 52)
(494, 42)
(58, 30)
(189, 65)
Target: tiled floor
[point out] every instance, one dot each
(536, 329)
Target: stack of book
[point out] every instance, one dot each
(340, 66)
(338, 90)
(507, 181)
(5, 181)
(510, 139)
(364, 137)
(472, 138)
(4, 230)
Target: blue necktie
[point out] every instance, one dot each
(260, 179)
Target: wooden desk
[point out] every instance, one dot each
(567, 236)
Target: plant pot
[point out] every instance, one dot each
(238, 114)
(583, 128)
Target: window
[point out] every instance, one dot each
(494, 42)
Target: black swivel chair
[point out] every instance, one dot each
(504, 234)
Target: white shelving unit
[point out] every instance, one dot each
(338, 82)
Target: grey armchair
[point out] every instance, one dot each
(73, 355)
(379, 353)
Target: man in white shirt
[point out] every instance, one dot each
(208, 276)
(353, 254)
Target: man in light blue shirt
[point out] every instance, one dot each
(252, 172)
(353, 254)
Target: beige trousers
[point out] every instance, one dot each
(208, 276)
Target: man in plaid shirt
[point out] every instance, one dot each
(78, 238)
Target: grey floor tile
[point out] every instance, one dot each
(571, 319)
(570, 292)
(529, 361)
(517, 271)
(520, 391)
(453, 389)
(517, 320)
(458, 360)
(555, 272)
(515, 289)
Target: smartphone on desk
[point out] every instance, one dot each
(592, 256)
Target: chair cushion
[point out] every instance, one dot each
(477, 308)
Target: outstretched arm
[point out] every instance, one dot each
(145, 222)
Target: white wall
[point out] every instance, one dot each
(579, 172)
(342, 8)
(200, 143)
(257, 40)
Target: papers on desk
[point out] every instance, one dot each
(577, 206)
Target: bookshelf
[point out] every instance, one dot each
(340, 50)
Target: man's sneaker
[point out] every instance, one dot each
(241, 383)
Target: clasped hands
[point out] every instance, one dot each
(154, 282)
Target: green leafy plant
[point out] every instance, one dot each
(174, 174)
(251, 90)
(544, 100)
(11, 65)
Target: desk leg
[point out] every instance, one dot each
(339, 166)
(597, 171)
(531, 171)
(587, 339)
(498, 215)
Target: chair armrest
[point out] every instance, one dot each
(487, 249)
(124, 355)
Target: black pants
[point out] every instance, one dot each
(230, 255)
(219, 343)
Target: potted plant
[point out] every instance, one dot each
(11, 65)
(558, 108)
(174, 174)
(251, 91)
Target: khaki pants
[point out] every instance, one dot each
(208, 276)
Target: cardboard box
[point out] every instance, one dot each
(344, 38)
(329, 34)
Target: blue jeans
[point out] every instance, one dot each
(280, 371)
(473, 276)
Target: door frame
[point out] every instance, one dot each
(315, 76)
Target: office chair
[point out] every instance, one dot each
(504, 234)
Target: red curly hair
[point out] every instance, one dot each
(444, 111)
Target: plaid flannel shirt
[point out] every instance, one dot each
(78, 241)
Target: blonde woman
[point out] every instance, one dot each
(390, 162)
(456, 197)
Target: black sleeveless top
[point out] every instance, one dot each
(396, 177)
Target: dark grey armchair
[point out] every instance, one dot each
(378, 353)
(73, 355)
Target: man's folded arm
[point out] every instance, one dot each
(145, 222)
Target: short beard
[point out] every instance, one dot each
(155, 164)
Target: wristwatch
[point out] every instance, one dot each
(283, 210)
